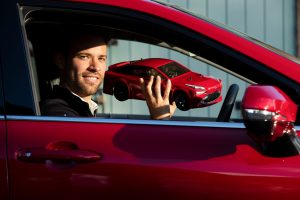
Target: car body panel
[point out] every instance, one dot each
(158, 162)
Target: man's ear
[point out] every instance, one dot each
(60, 60)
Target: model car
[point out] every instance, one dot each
(121, 153)
(189, 89)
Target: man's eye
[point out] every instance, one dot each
(83, 57)
(103, 59)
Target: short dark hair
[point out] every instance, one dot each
(70, 34)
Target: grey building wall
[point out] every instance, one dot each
(271, 21)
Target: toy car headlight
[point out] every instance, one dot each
(200, 89)
(195, 86)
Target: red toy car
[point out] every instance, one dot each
(189, 89)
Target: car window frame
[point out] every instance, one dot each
(251, 62)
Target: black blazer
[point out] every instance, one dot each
(61, 102)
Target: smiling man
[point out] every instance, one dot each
(82, 64)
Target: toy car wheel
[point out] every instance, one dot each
(121, 91)
(181, 100)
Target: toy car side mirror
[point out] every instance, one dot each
(269, 116)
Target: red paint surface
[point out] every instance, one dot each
(150, 161)
(271, 99)
(3, 170)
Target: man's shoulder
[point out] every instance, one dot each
(61, 102)
(57, 107)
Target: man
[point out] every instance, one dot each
(82, 65)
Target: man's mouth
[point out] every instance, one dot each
(91, 78)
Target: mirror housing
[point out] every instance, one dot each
(269, 116)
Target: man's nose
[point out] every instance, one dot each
(95, 65)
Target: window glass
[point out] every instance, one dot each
(137, 107)
(44, 36)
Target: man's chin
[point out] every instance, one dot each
(88, 91)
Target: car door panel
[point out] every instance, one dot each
(147, 161)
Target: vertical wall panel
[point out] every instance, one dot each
(217, 10)
(180, 3)
(254, 15)
(199, 6)
(274, 22)
(289, 26)
(236, 17)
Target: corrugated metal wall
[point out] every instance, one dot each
(271, 21)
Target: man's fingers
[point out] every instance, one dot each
(167, 89)
(147, 87)
(172, 108)
(157, 86)
(142, 84)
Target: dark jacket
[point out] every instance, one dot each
(61, 102)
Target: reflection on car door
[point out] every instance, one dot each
(142, 160)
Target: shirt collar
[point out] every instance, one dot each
(93, 106)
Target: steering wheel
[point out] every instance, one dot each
(227, 106)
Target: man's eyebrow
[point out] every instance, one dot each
(89, 54)
(85, 53)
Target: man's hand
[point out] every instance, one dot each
(159, 106)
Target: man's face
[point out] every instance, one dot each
(85, 66)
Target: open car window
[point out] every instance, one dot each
(133, 39)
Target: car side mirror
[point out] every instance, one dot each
(269, 116)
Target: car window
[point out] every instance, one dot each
(126, 43)
(138, 71)
(203, 114)
(173, 70)
(132, 70)
(48, 72)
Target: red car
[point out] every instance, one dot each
(189, 89)
(121, 156)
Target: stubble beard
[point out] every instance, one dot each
(87, 89)
(82, 88)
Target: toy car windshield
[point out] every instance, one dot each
(173, 69)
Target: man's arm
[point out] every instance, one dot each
(159, 106)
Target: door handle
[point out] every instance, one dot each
(59, 152)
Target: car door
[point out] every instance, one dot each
(110, 158)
